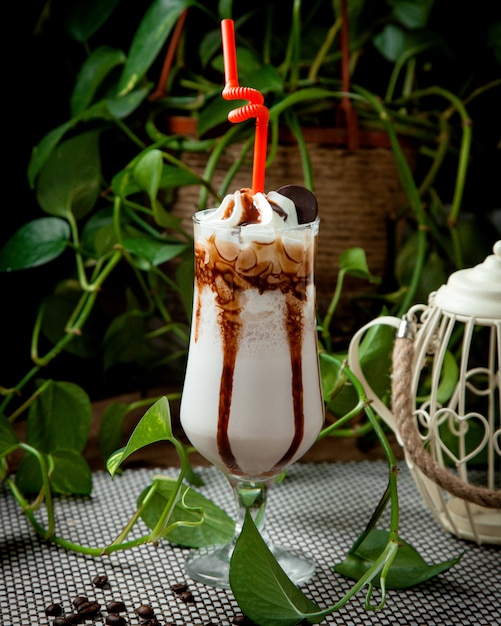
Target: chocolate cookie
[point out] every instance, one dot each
(304, 200)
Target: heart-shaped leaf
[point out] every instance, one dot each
(216, 527)
(8, 437)
(59, 418)
(148, 171)
(407, 570)
(153, 30)
(92, 74)
(70, 179)
(155, 425)
(262, 589)
(35, 243)
(70, 474)
(154, 252)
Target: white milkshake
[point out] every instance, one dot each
(252, 401)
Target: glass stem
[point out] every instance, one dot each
(250, 496)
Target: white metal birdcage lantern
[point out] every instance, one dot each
(446, 398)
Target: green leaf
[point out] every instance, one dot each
(111, 428)
(216, 112)
(124, 104)
(59, 418)
(434, 274)
(217, 526)
(91, 75)
(59, 309)
(8, 438)
(407, 570)
(28, 475)
(154, 252)
(449, 376)
(210, 43)
(155, 425)
(148, 172)
(332, 378)
(125, 341)
(44, 149)
(177, 177)
(35, 243)
(391, 42)
(375, 359)
(98, 220)
(354, 262)
(412, 13)
(71, 474)
(69, 182)
(153, 30)
(262, 590)
(86, 17)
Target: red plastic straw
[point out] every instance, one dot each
(255, 108)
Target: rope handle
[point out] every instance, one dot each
(403, 410)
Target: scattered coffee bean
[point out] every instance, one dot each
(61, 621)
(179, 587)
(144, 611)
(151, 622)
(89, 609)
(242, 619)
(75, 618)
(187, 596)
(100, 581)
(54, 609)
(116, 606)
(79, 600)
(115, 620)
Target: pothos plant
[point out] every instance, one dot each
(105, 180)
(174, 511)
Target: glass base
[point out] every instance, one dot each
(211, 565)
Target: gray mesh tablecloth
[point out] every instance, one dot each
(319, 508)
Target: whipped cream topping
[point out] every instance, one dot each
(271, 211)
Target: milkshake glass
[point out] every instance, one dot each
(252, 402)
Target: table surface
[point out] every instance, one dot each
(320, 508)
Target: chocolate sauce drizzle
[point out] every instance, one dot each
(220, 275)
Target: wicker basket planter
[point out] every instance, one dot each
(359, 196)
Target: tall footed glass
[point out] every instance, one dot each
(252, 401)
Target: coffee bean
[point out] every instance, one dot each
(145, 611)
(61, 621)
(54, 609)
(179, 587)
(75, 618)
(151, 622)
(115, 620)
(187, 596)
(79, 600)
(115, 607)
(100, 581)
(242, 619)
(89, 609)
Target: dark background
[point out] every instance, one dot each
(40, 62)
